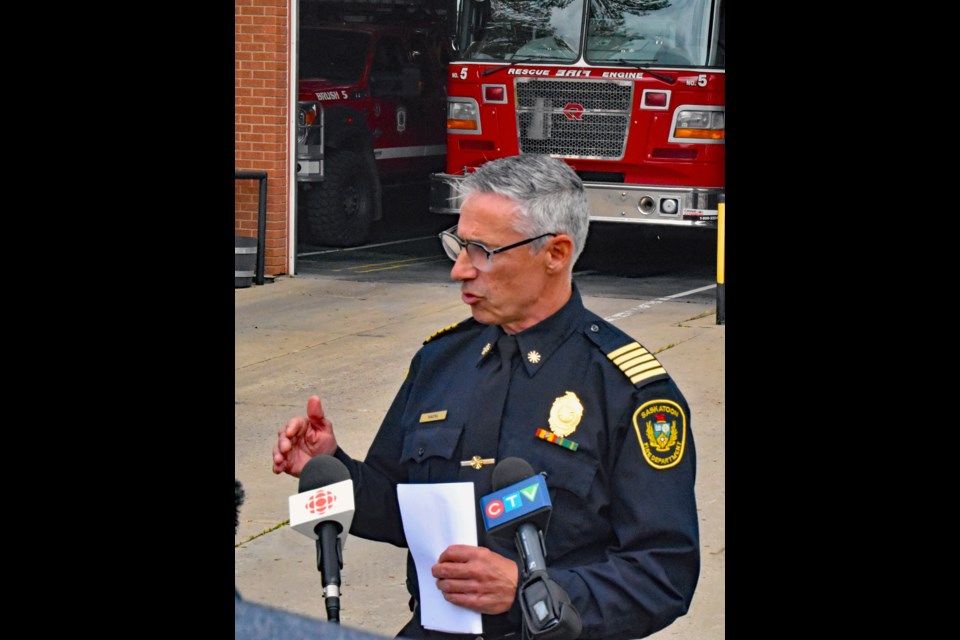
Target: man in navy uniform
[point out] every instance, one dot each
(587, 406)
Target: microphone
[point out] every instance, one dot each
(323, 510)
(519, 507)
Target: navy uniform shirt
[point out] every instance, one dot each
(623, 538)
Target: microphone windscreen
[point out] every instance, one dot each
(321, 471)
(510, 471)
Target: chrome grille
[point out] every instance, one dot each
(548, 120)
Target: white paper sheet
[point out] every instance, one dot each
(434, 517)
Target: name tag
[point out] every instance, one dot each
(433, 416)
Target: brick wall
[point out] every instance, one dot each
(261, 121)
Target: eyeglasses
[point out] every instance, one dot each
(480, 257)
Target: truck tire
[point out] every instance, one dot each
(340, 209)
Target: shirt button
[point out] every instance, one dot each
(420, 452)
(594, 328)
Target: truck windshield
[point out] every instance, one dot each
(664, 32)
(334, 55)
(631, 32)
(508, 29)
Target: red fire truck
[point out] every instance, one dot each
(630, 93)
(370, 112)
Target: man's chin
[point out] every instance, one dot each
(480, 316)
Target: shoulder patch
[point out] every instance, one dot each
(638, 364)
(661, 427)
(449, 329)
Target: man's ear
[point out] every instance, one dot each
(559, 252)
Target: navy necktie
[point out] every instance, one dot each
(482, 433)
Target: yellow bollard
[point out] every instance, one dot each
(721, 311)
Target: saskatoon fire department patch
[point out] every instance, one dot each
(661, 427)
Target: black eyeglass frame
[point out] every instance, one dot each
(450, 233)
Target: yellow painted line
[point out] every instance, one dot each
(395, 264)
(362, 247)
(401, 266)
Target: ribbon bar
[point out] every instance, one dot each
(543, 434)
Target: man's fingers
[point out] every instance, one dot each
(299, 437)
(293, 428)
(457, 553)
(315, 409)
(454, 563)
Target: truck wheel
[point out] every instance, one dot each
(339, 209)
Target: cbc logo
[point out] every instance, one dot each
(321, 502)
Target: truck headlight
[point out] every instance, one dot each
(698, 124)
(463, 116)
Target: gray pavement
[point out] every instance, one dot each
(350, 343)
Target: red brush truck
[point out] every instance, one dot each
(371, 107)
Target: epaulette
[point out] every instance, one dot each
(449, 329)
(638, 364)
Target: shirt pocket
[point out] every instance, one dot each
(567, 472)
(574, 499)
(430, 452)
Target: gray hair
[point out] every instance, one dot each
(550, 197)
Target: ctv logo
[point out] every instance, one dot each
(321, 502)
(500, 506)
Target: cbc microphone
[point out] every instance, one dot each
(323, 510)
(519, 508)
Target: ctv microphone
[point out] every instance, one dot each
(519, 508)
(323, 510)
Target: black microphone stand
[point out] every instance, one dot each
(329, 565)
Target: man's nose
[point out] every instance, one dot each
(463, 269)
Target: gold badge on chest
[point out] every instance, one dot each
(565, 414)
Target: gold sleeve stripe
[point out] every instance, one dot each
(653, 364)
(636, 362)
(649, 374)
(625, 349)
(626, 364)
